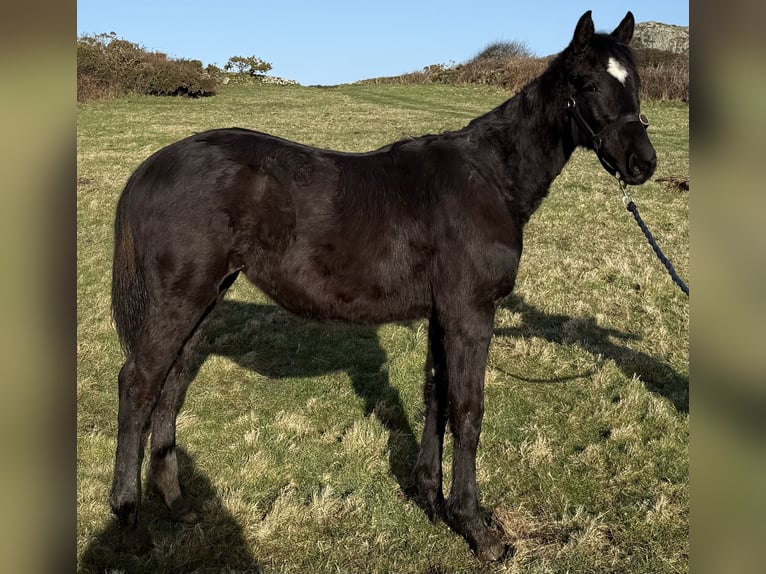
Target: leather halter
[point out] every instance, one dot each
(597, 138)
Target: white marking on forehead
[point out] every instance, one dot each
(617, 70)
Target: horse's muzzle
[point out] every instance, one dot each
(640, 167)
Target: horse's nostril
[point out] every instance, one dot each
(632, 162)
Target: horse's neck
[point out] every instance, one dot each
(529, 135)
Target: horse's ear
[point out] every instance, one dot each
(583, 32)
(624, 32)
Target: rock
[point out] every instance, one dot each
(659, 36)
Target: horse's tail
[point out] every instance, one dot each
(129, 297)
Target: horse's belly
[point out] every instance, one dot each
(352, 302)
(358, 290)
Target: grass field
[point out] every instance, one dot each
(297, 439)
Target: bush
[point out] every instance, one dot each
(108, 66)
(177, 78)
(511, 73)
(247, 66)
(503, 50)
(664, 75)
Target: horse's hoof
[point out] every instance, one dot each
(136, 541)
(181, 510)
(491, 549)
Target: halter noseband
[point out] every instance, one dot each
(597, 139)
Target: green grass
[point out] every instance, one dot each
(297, 438)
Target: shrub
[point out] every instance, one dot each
(664, 75)
(502, 50)
(177, 78)
(511, 73)
(247, 66)
(109, 66)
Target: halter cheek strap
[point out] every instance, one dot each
(597, 139)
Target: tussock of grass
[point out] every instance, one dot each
(675, 183)
(297, 439)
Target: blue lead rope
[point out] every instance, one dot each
(634, 210)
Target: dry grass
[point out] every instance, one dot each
(666, 80)
(298, 439)
(674, 182)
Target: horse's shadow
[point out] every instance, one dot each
(269, 341)
(217, 545)
(656, 375)
(279, 345)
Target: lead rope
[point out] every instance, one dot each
(627, 201)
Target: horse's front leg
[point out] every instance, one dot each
(467, 344)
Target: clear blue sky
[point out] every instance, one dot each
(338, 41)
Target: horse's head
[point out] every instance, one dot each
(603, 101)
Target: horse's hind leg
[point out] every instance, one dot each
(164, 463)
(428, 469)
(131, 438)
(141, 380)
(163, 469)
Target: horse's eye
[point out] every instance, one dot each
(590, 87)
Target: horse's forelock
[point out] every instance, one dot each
(606, 47)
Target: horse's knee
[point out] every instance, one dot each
(465, 420)
(139, 387)
(125, 377)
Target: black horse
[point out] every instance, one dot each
(424, 227)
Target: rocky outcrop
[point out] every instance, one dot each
(659, 36)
